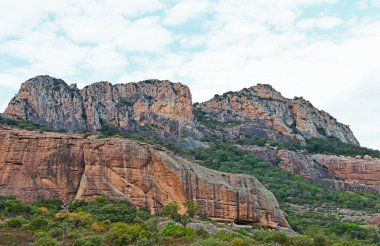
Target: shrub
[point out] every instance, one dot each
(171, 210)
(38, 223)
(202, 233)
(90, 241)
(15, 222)
(46, 241)
(303, 240)
(277, 237)
(56, 232)
(210, 242)
(121, 233)
(172, 230)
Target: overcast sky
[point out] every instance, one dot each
(327, 51)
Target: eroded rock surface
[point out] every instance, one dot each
(262, 111)
(336, 172)
(51, 165)
(159, 107)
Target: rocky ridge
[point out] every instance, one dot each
(336, 172)
(262, 111)
(164, 109)
(37, 165)
(162, 106)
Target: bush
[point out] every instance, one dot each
(172, 230)
(37, 223)
(121, 233)
(46, 241)
(90, 241)
(277, 237)
(56, 232)
(171, 210)
(210, 242)
(15, 222)
(303, 240)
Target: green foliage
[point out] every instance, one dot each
(293, 144)
(109, 130)
(46, 241)
(172, 230)
(334, 146)
(26, 125)
(15, 222)
(171, 210)
(103, 209)
(38, 223)
(90, 241)
(122, 234)
(252, 140)
(291, 188)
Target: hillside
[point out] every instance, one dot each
(146, 143)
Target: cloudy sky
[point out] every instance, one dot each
(327, 51)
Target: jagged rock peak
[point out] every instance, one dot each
(263, 111)
(161, 105)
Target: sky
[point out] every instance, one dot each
(327, 51)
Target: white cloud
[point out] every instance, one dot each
(186, 10)
(325, 22)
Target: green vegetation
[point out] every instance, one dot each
(171, 210)
(26, 125)
(110, 222)
(334, 146)
(251, 140)
(293, 189)
(329, 146)
(105, 222)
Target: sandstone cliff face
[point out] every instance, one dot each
(262, 111)
(336, 172)
(161, 106)
(51, 165)
(164, 109)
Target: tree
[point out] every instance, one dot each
(172, 211)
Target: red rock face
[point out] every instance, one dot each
(262, 111)
(351, 170)
(337, 172)
(162, 106)
(50, 165)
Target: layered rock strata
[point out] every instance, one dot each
(159, 107)
(52, 165)
(262, 111)
(336, 172)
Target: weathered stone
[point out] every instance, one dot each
(50, 165)
(337, 172)
(262, 111)
(159, 107)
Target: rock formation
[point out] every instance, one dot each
(262, 111)
(336, 172)
(164, 109)
(159, 107)
(51, 165)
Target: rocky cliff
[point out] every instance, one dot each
(336, 172)
(262, 111)
(159, 107)
(51, 165)
(164, 109)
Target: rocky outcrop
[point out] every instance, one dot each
(51, 165)
(164, 109)
(158, 107)
(262, 111)
(336, 172)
